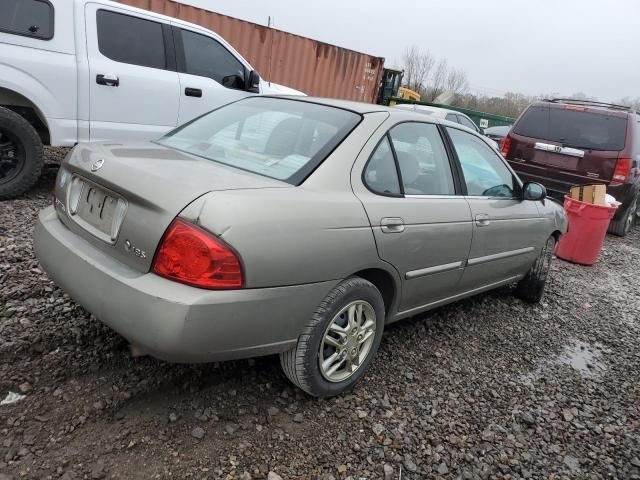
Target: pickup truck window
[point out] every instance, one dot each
(31, 18)
(132, 40)
(205, 57)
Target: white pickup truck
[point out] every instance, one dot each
(92, 70)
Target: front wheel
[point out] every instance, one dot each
(531, 287)
(339, 342)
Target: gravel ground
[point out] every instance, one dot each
(486, 388)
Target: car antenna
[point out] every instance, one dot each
(270, 47)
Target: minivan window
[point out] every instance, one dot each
(485, 173)
(31, 18)
(132, 40)
(274, 137)
(205, 57)
(573, 127)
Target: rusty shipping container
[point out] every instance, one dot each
(313, 67)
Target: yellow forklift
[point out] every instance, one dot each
(390, 87)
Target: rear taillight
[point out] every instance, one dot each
(622, 171)
(191, 255)
(506, 145)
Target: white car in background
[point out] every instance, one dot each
(94, 70)
(438, 112)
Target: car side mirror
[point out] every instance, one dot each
(534, 191)
(253, 82)
(233, 81)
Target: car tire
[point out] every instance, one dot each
(531, 287)
(21, 154)
(353, 303)
(627, 220)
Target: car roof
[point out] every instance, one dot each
(357, 107)
(594, 107)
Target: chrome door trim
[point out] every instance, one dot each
(499, 256)
(431, 270)
(547, 147)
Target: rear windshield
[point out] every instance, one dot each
(573, 128)
(274, 137)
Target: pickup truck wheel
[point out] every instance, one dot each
(21, 154)
(531, 287)
(338, 344)
(625, 223)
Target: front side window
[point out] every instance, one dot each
(31, 18)
(485, 173)
(205, 57)
(277, 138)
(132, 40)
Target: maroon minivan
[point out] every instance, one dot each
(563, 142)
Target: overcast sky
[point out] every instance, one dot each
(535, 47)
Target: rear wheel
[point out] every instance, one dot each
(340, 341)
(627, 220)
(21, 154)
(531, 287)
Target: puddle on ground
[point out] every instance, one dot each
(582, 357)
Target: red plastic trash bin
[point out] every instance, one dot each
(588, 225)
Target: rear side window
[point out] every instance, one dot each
(573, 127)
(205, 57)
(132, 40)
(380, 174)
(452, 117)
(31, 18)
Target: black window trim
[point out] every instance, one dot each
(461, 173)
(167, 40)
(52, 25)
(181, 61)
(458, 186)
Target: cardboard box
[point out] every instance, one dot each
(589, 193)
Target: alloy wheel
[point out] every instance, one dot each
(12, 157)
(347, 341)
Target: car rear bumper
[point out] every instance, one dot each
(558, 189)
(169, 320)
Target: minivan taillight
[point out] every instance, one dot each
(622, 171)
(506, 145)
(191, 255)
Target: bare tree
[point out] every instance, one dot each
(417, 67)
(438, 80)
(456, 81)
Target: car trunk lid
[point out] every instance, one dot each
(122, 198)
(567, 143)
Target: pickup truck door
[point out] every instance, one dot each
(210, 73)
(133, 84)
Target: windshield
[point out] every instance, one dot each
(278, 138)
(574, 128)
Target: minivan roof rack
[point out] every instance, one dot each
(594, 103)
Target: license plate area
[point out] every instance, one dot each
(96, 209)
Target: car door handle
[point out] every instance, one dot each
(482, 220)
(193, 92)
(392, 225)
(107, 79)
